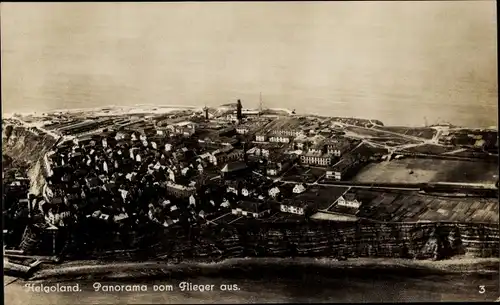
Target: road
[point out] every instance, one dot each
(353, 185)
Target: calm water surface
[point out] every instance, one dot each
(401, 62)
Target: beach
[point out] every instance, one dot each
(268, 280)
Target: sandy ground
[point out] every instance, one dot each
(78, 268)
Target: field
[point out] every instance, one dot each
(423, 132)
(412, 207)
(379, 136)
(369, 132)
(428, 170)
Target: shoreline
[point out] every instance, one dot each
(147, 108)
(133, 270)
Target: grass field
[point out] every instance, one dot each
(428, 170)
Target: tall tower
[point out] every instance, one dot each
(205, 110)
(239, 114)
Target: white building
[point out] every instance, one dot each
(274, 192)
(242, 129)
(299, 189)
(261, 138)
(349, 200)
(316, 159)
(279, 139)
(293, 208)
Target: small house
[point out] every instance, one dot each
(297, 207)
(251, 209)
(260, 137)
(299, 189)
(349, 200)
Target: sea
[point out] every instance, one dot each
(403, 62)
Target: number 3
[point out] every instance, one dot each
(482, 289)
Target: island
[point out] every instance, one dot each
(174, 184)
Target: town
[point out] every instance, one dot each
(110, 170)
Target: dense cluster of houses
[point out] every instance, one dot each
(316, 142)
(115, 175)
(163, 171)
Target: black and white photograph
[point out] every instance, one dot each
(249, 152)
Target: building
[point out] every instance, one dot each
(226, 141)
(338, 147)
(183, 128)
(343, 169)
(277, 138)
(242, 129)
(349, 200)
(261, 137)
(251, 209)
(318, 148)
(234, 169)
(178, 190)
(301, 142)
(278, 164)
(299, 189)
(162, 131)
(298, 207)
(257, 152)
(314, 158)
(222, 157)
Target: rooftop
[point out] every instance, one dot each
(234, 166)
(317, 154)
(183, 123)
(291, 123)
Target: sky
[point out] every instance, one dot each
(398, 61)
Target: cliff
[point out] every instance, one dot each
(312, 239)
(27, 149)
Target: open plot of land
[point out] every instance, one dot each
(420, 132)
(323, 196)
(369, 132)
(392, 141)
(413, 207)
(428, 170)
(301, 174)
(316, 172)
(430, 149)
